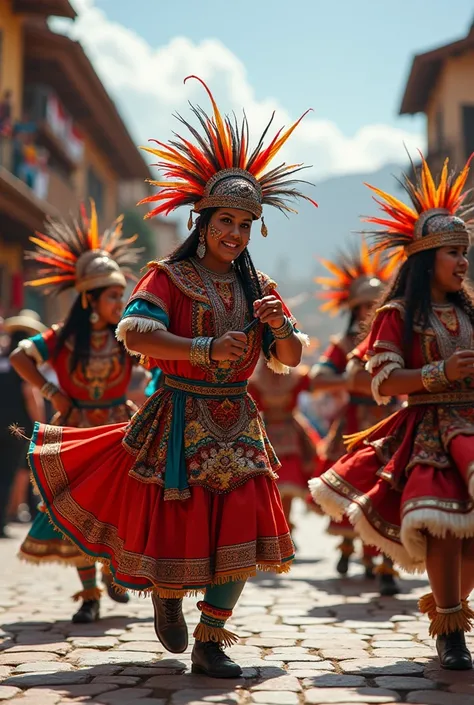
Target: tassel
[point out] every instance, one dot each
(354, 440)
(88, 594)
(453, 619)
(386, 569)
(264, 229)
(84, 300)
(18, 431)
(205, 632)
(427, 605)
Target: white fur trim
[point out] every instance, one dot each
(274, 364)
(379, 378)
(303, 338)
(336, 506)
(381, 358)
(30, 349)
(470, 486)
(142, 325)
(438, 523)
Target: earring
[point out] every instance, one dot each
(201, 248)
(264, 229)
(94, 317)
(190, 220)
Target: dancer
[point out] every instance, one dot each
(92, 368)
(355, 285)
(408, 486)
(183, 498)
(291, 435)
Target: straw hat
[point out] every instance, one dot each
(27, 320)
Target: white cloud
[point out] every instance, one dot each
(147, 83)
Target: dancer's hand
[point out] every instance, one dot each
(459, 365)
(270, 310)
(61, 403)
(230, 346)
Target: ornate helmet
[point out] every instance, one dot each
(357, 279)
(75, 255)
(436, 218)
(220, 171)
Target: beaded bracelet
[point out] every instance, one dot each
(433, 376)
(200, 353)
(48, 390)
(284, 331)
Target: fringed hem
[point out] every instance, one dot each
(205, 632)
(336, 506)
(88, 594)
(138, 323)
(427, 605)
(48, 560)
(443, 623)
(438, 523)
(346, 547)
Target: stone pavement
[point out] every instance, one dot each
(306, 638)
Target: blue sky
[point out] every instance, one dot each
(348, 59)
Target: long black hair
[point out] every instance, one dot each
(77, 328)
(413, 284)
(243, 265)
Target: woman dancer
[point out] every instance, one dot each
(408, 486)
(291, 435)
(183, 498)
(92, 368)
(356, 283)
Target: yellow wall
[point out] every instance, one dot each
(94, 158)
(455, 87)
(12, 55)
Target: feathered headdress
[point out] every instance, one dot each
(76, 255)
(220, 170)
(357, 278)
(435, 218)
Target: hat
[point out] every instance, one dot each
(27, 321)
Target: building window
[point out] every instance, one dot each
(95, 189)
(468, 129)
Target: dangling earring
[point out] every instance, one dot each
(264, 229)
(201, 248)
(190, 220)
(94, 317)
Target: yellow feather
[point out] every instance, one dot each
(93, 234)
(55, 249)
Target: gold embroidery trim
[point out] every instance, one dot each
(211, 390)
(461, 397)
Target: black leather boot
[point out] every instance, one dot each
(121, 597)
(388, 586)
(87, 613)
(453, 652)
(342, 565)
(210, 659)
(170, 625)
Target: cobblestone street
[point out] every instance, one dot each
(306, 638)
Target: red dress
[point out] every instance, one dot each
(98, 393)
(184, 495)
(291, 435)
(360, 413)
(410, 474)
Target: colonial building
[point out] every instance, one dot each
(62, 139)
(441, 85)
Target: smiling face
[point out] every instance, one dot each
(450, 269)
(109, 305)
(227, 235)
